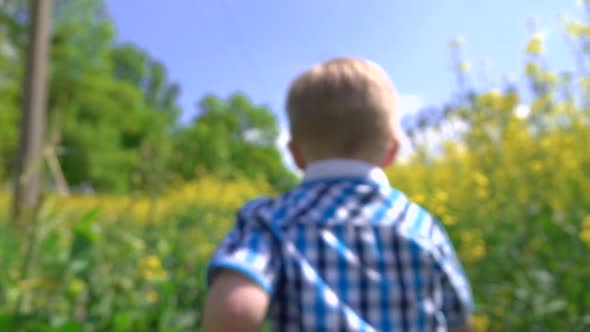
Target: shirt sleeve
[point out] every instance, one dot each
(249, 248)
(457, 299)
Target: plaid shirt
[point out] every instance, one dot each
(346, 252)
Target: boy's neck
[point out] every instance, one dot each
(343, 168)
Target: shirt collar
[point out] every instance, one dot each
(344, 168)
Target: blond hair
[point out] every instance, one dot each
(343, 108)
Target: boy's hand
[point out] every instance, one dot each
(234, 303)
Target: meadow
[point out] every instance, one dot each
(515, 204)
(509, 176)
(116, 263)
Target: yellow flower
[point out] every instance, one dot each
(441, 196)
(585, 236)
(481, 322)
(472, 245)
(531, 69)
(456, 42)
(480, 179)
(584, 83)
(535, 45)
(561, 108)
(151, 262)
(419, 198)
(570, 163)
(549, 77)
(449, 220)
(492, 99)
(150, 268)
(464, 66)
(537, 166)
(77, 286)
(481, 193)
(152, 297)
(206, 249)
(439, 209)
(541, 103)
(27, 283)
(510, 100)
(4, 201)
(574, 29)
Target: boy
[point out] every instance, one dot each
(343, 251)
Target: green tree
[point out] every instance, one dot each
(11, 33)
(113, 111)
(107, 103)
(232, 138)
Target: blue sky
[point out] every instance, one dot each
(258, 46)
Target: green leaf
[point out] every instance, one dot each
(169, 290)
(70, 327)
(6, 322)
(85, 224)
(553, 307)
(122, 321)
(185, 318)
(85, 232)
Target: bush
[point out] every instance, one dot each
(510, 180)
(105, 264)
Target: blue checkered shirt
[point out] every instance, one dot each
(346, 252)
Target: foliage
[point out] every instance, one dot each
(136, 265)
(10, 30)
(113, 112)
(232, 138)
(511, 188)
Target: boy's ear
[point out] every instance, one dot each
(391, 153)
(297, 155)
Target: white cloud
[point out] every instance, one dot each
(409, 103)
(282, 144)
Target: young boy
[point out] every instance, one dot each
(343, 251)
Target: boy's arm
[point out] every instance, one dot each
(242, 273)
(234, 303)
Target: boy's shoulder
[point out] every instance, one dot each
(254, 205)
(407, 217)
(401, 216)
(266, 202)
(427, 231)
(254, 209)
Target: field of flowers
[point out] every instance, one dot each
(519, 214)
(116, 263)
(515, 204)
(513, 192)
(511, 184)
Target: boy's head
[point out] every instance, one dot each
(343, 108)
